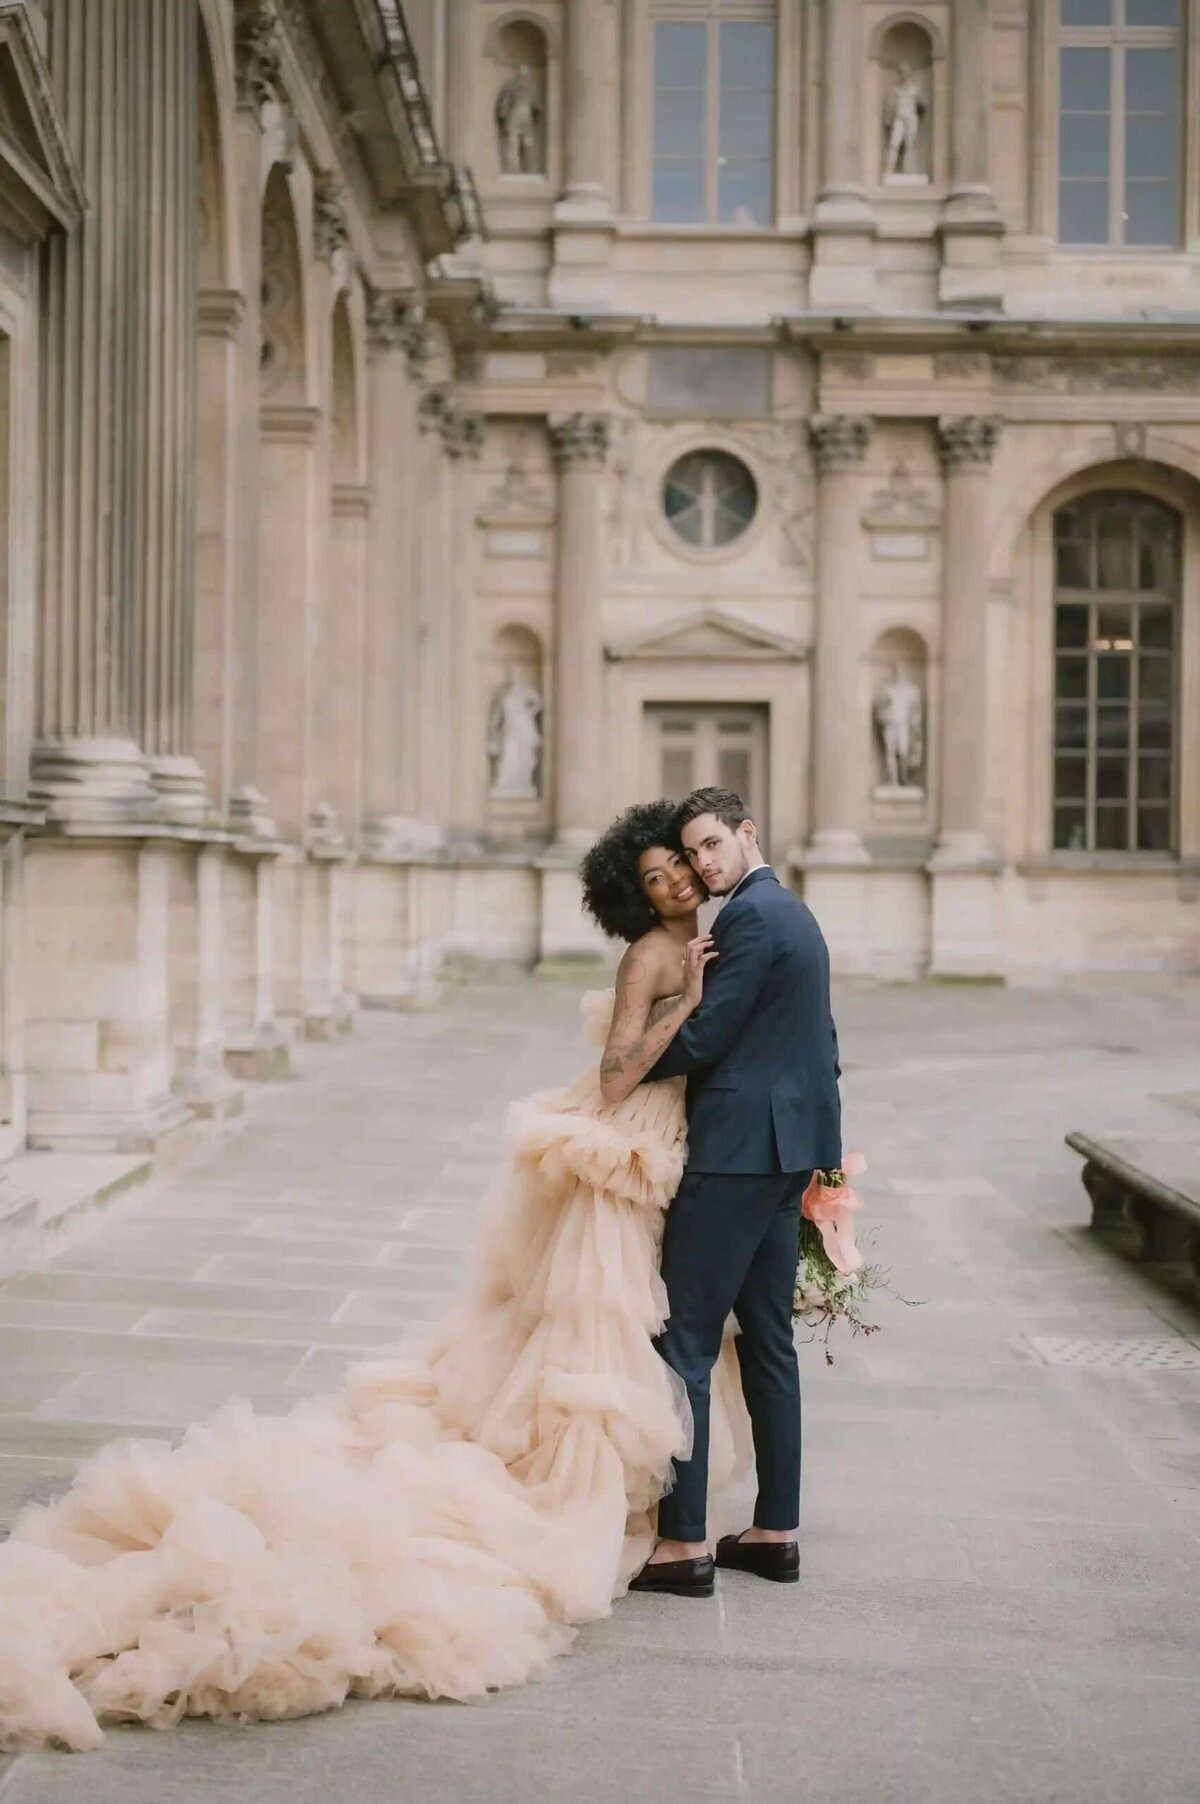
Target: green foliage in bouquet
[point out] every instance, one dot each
(825, 1296)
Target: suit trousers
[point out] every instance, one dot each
(731, 1243)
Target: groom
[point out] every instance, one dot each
(760, 1057)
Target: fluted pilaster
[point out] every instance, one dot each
(840, 777)
(86, 763)
(165, 206)
(967, 446)
(580, 444)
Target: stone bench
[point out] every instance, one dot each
(1145, 1197)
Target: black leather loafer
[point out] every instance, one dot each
(776, 1560)
(677, 1578)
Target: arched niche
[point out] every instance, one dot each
(282, 370)
(520, 48)
(515, 742)
(907, 81)
(899, 687)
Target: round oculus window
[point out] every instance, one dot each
(709, 499)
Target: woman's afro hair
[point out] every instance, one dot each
(612, 891)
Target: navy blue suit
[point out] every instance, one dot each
(760, 1056)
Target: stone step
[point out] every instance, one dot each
(49, 1201)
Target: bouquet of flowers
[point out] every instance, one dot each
(832, 1279)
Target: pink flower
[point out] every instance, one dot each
(831, 1211)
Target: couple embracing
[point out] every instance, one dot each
(442, 1526)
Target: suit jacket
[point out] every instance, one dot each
(760, 1053)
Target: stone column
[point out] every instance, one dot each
(586, 95)
(580, 443)
(86, 764)
(967, 445)
(844, 224)
(840, 771)
(583, 238)
(164, 298)
(391, 748)
(971, 222)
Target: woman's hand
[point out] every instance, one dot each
(699, 952)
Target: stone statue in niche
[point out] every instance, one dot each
(518, 122)
(515, 740)
(903, 112)
(900, 723)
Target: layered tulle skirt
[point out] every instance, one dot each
(439, 1529)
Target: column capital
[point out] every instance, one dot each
(967, 441)
(840, 439)
(461, 433)
(256, 50)
(579, 438)
(331, 229)
(396, 322)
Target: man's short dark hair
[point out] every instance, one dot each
(726, 804)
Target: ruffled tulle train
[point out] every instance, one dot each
(439, 1529)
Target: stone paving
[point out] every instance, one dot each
(1002, 1491)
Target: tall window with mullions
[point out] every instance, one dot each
(714, 114)
(1116, 632)
(1120, 81)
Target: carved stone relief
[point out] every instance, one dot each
(331, 230)
(1102, 375)
(782, 451)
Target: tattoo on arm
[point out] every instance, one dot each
(642, 1029)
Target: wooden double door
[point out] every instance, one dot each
(689, 747)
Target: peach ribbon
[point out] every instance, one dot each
(832, 1212)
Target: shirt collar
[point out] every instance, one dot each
(737, 886)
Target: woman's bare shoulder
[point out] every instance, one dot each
(652, 963)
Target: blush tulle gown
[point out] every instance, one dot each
(438, 1529)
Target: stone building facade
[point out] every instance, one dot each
(432, 427)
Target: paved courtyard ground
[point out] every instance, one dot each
(1000, 1596)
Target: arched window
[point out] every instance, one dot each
(1116, 631)
(1120, 75)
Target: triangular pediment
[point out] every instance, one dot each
(709, 634)
(40, 189)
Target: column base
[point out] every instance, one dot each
(835, 847)
(843, 239)
(569, 943)
(260, 1056)
(965, 916)
(969, 278)
(249, 816)
(99, 1053)
(180, 789)
(581, 275)
(91, 780)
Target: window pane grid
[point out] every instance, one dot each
(714, 109)
(1119, 134)
(1114, 676)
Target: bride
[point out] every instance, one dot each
(441, 1527)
